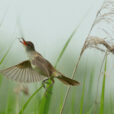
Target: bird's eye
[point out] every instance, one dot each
(29, 44)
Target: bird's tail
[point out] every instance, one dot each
(68, 81)
(64, 79)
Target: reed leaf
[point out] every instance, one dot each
(3, 58)
(90, 110)
(103, 89)
(6, 53)
(82, 97)
(65, 46)
(28, 101)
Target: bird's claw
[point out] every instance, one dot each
(47, 89)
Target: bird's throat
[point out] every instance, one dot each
(31, 54)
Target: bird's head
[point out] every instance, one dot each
(29, 46)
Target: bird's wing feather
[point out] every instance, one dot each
(22, 72)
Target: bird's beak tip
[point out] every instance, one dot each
(22, 41)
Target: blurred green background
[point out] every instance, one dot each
(49, 24)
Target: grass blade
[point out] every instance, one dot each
(65, 46)
(3, 58)
(90, 110)
(82, 98)
(111, 100)
(25, 105)
(103, 89)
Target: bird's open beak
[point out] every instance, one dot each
(22, 41)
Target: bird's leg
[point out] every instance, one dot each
(46, 89)
(44, 82)
(51, 83)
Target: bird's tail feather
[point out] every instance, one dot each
(68, 81)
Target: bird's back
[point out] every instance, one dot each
(42, 65)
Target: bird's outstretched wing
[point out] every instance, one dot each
(22, 72)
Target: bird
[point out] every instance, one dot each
(35, 69)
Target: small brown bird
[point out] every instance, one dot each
(35, 69)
